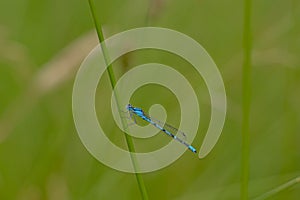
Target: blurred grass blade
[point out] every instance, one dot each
(278, 189)
(246, 93)
(112, 79)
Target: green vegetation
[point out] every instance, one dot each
(42, 44)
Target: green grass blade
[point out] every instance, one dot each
(246, 93)
(112, 79)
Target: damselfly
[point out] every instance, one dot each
(166, 128)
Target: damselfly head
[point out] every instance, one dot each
(129, 106)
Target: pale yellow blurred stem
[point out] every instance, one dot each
(278, 189)
(60, 69)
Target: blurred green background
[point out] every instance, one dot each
(42, 44)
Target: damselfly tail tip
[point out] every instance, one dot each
(193, 149)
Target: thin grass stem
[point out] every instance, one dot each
(278, 189)
(112, 79)
(246, 93)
